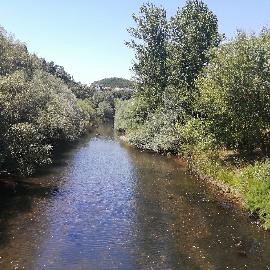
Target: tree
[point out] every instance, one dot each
(38, 109)
(234, 92)
(150, 45)
(194, 30)
(13, 55)
(26, 149)
(170, 56)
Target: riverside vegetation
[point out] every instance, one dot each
(41, 107)
(203, 98)
(197, 96)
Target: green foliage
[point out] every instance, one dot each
(149, 43)
(207, 163)
(25, 148)
(252, 183)
(235, 92)
(13, 55)
(104, 101)
(81, 91)
(60, 118)
(56, 70)
(88, 113)
(157, 133)
(169, 58)
(194, 30)
(105, 110)
(195, 137)
(123, 94)
(174, 52)
(256, 189)
(148, 130)
(200, 99)
(230, 102)
(129, 114)
(99, 96)
(114, 82)
(37, 108)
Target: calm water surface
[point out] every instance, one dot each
(108, 206)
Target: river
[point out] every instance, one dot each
(105, 205)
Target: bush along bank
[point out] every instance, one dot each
(38, 109)
(202, 98)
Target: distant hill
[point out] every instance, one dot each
(114, 83)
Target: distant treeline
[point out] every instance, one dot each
(41, 106)
(202, 97)
(114, 83)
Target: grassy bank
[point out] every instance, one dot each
(246, 181)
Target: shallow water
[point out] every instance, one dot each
(105, 205)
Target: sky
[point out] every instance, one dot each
(87, 36)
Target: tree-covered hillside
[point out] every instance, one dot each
(114, 83)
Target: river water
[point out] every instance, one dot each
(104, 205)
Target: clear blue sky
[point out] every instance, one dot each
(87, 36)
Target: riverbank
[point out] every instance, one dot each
(219, 187)
(247, 183)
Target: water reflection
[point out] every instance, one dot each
(108, 206)
(196, 229)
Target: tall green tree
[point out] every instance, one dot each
(194, 30)
(150, 45)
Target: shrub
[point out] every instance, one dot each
(37, 109)
(195, 137)
(235, 92)
(130, 113)
(59, 119)
(88, 117)
(255, 185)
(105, 110)
(25, 148)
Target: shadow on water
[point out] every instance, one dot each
(63, 153)
(16, 197)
